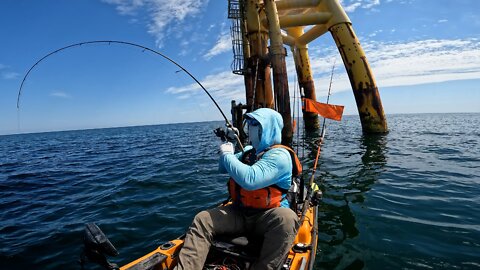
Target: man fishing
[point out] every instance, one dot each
(259, 180)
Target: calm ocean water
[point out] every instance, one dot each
(405, 200)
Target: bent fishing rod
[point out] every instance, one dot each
(228, 124)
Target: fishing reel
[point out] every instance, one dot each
(220, 132)
(229, 135)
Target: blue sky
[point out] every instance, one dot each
(425, 55)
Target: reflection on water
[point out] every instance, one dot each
(341, 188)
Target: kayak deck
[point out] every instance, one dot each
(300, 256)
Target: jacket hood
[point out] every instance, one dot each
(271, 123)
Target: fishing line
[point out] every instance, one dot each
(129, 44)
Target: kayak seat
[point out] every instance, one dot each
(241, 246)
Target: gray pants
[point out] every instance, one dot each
(278, 226)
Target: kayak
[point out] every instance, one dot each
(227, 252)
(238, 252)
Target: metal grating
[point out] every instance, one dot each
(236, 14)
(234, 9)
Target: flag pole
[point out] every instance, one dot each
(306, 203)
(328, 98)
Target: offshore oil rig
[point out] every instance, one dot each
(261, 29)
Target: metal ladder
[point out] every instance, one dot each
(236, 10)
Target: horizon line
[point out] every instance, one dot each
(192, 122)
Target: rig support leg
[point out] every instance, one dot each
(361, 78)
(305, 78)
(261, 95)
(280, 81)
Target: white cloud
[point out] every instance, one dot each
(393, 64)
(6, 74)
(60, 94)
(375, 33)
(442, 21)
(223, 44)
(185, 96)
(411, 63)
(352, 5)
(210, 27)
(9, 75)
(222, 85)
(126, 7)
(372, 3)
(162, 13)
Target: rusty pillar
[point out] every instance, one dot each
(280, 80)
(305, 78)
(258, 64)
(247, 77)
(361, 78)
(248, 81)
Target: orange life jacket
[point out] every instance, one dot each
(264, 198)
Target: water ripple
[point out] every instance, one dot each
(405, 200)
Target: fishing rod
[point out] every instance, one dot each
(319, 148)
(328, 97)
(228, 124)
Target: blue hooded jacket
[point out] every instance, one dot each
(275, 166)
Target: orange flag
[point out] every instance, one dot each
(333, 112)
